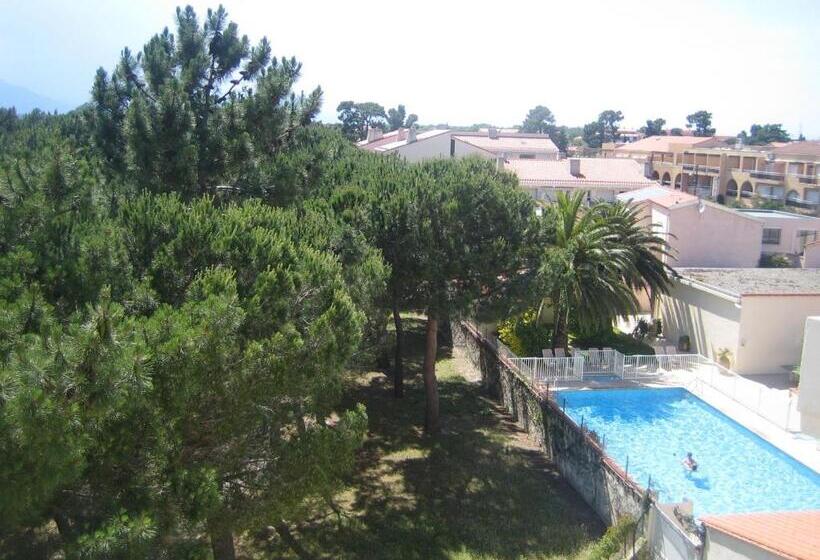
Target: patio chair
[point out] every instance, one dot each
(559, 353)
(546, 353)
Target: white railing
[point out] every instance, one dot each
(544, 370)
(698, 373)
(659, 364)
(778, 406)
(602, 362)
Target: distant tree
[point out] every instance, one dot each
(605, 129)
(539, 120)
(676, 132)
(766, 134)
(396, 118)
(356, 118)
(653, 127)
(801, 138)
(701, 121)
(592, 134)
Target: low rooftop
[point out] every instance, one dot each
(662, 143)
(789, 534)
(776, 214)
(500, 141)
(756, 281)
(590, 172)
(663, 196)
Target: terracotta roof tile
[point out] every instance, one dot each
(791, 534)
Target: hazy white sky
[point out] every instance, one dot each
(464, 62)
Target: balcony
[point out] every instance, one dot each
(695, 168)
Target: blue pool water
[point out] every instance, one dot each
(654, 428)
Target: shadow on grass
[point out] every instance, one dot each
(477, 490)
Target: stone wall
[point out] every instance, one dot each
(575, 451)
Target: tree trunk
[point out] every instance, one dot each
(431, 420)
(222, 544)
(288, 538)
(559, 331)
(398, 362)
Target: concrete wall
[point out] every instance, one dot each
(715, 237)
(579, 458)
(710, 321)
(426, 148)
(463, 149)
(771, 332)
(789, 226)
(811, 257)
(809, 400)
(720, 546)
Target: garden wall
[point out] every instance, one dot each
(578, 456)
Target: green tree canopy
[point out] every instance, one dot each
(654, 127)
(760, 135)
(701, 121)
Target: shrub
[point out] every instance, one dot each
(774, 261)
(523, 335)
(613, 540)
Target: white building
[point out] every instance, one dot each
(758, 315)
(699, 233)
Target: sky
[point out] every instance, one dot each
(460, 62)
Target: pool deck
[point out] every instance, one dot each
(801, 447)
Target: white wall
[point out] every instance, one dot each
(771, 331)
(463, 149)
(426, 148)
(811, 258)
(720, 546)
(715, 237)
(710, 321)
(809, 397)
(789, 227)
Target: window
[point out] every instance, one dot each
(771, 236)
(526, 156)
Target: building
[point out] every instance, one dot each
(442, 143)
(785, 233)
(786, 173)
(699, 233)
(600, 179)
(496, 143)
(408, 144)
(757, 315)
(809, 402)
(790, 535)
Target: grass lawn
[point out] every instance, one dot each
(480, 490)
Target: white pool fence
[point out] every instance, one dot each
(695, 371)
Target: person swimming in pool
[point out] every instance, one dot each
(689, 462)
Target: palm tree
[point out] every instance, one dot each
(599, 258)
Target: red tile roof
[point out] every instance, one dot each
(791, 534)
(663, 143)
(594, 171)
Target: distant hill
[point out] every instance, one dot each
(25, 100)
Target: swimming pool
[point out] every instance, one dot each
(653, 429)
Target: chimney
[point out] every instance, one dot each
(492, 132)
(411, 134)
(575, 167)
(373, 133)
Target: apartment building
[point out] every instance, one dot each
(713, 167)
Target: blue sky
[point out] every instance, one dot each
(463, 62)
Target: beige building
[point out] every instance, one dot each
(758, 315)
(699, 233)
(719, 166)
